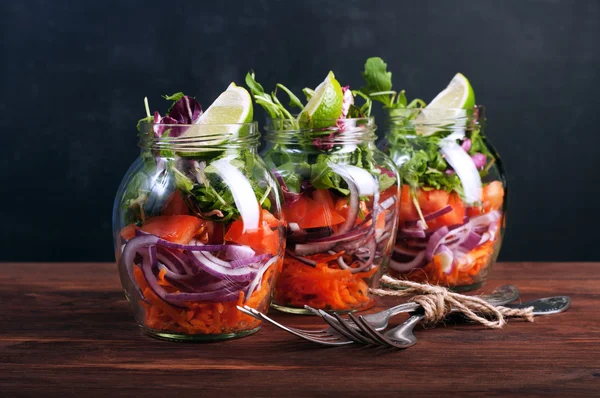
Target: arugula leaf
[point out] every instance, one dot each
(253, 85)
(385, 181)
(379, 86)
(378, 80)
(147, 119)
(294, 101)
(364, 110)
(322, 177)
(308, 93)
(173, 97)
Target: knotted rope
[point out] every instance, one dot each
(437, 302)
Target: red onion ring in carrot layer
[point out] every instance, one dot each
(417, 262)
(431, 216)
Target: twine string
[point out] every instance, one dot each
(438, 302)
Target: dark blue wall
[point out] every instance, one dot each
(73, 75)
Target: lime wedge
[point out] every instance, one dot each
(232, 107)
(325, 105)
(448, 109)
(458, 94)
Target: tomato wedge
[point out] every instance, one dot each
(177, 228)
(175, 205)
(408, 211)
(456, 216)
(262, 240)
(309, 213)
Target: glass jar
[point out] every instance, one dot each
(453, 197)
(341, 203)
(198, 230)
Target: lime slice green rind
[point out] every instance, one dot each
(458, 95)
(325, 105)
(232, 107)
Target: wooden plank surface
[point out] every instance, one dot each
(66, 329)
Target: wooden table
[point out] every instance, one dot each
(67, 329)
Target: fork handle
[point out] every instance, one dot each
(404, 307)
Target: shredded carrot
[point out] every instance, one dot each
(470, 269)
(203, 317)
(325, 286)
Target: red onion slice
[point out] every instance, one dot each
(304, 260)
(471, 241)
(432, 216)
(366, 264)
(133, 247)
(319, 247)
(411, 233)
(239, 252)
(485, 219)
(398, 248)
(190, 283)
(233, 274)
(256, 282)
(172, 261)
(417, 262)
(355, 233)
(149, 262)
(250, 261)
(434, 242)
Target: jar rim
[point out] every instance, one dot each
(209, 135)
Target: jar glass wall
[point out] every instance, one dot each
(198, 230)
(453, 197)
(341, 207)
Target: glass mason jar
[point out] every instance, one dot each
(453, 199)
(198, 230)
(341, 203)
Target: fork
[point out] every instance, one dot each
(324, 337)
(402, 336)
(379, 320)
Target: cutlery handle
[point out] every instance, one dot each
(405, 307)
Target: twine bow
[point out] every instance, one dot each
(437, 302)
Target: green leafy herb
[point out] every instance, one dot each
(173, 97)
(378, 81)
(379, 86)
(309, 163)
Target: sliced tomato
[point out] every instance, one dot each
(262, 240)
(492, 199)
(270, 219)
(432, 200)
(308, 213)
(175, 204)
(342, 207)
(177, 228)
(456, 216)
(391, 191)
(323, 196)
(128, 232)
(493, 196)
(408, 211)
(380, 225)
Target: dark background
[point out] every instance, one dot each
(73, 76)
